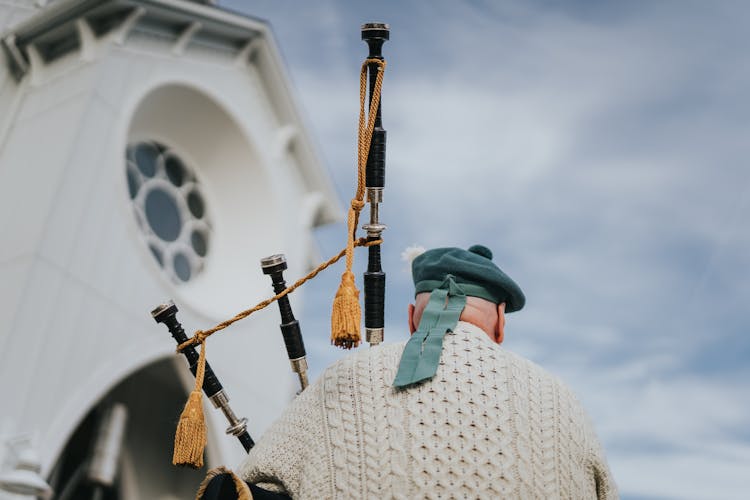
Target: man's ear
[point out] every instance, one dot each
(412, 328)
(500, 333)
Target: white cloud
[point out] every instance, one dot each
(601, 152)
(684, 477)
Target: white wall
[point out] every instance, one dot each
(13, 12)
(76, 280)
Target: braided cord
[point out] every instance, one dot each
(201, 335)
(364, 138)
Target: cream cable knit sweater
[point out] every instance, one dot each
(490, 424)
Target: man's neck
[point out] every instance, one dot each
(477, 328)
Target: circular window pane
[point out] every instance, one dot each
(182, 267)
(163, 215)
(155, 174)
(175, 170)
(195, 204)
(145, 156)
(199, 243)
(133, 182)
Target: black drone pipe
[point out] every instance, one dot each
(375, 35)
(167, 314)
(275, 265)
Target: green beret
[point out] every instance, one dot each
(472, 269)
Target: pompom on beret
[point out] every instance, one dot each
(472, 269)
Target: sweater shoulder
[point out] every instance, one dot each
(531, 367)
(545, 378)
(382, 355)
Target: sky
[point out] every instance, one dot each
(600, 150)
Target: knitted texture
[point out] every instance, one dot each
(490, 424)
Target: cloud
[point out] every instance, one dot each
(683, 476)
(601, 152)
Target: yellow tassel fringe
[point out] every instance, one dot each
(346, 315)
(190, 438)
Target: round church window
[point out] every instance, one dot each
(170, 208)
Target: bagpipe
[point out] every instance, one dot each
(190, 437)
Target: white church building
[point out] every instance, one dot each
(149, 150)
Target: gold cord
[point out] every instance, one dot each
(346, 315)
(201, 335)
(242, 490)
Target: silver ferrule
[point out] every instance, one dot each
(220, 399)
(237, 426)
(374, 230)
(272, 260)
(237, 429)
(374, 215)
(161, 308)
(374, 26)
(299, 366)
(374, 335)
(374, 195)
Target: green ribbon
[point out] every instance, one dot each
(421, 355)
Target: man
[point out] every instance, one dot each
(449, 414)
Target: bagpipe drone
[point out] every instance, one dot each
(190, 438)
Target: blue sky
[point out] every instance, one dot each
(600, 150)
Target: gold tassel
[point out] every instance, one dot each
(346, 314)
(190, 437)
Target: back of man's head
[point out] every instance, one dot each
(490, 293)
